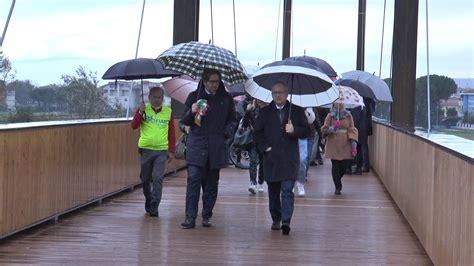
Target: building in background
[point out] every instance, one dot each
(467, 101)
(118, 94)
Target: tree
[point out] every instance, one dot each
(6, 73)
(82, 96)
(46, 97)
(441, 87)
(451, 112)
(22, 89)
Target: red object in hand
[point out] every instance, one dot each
(337, 124)
(353, 152)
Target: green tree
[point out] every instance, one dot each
(6, 73)
(451, 112)
(22, 89)
(82, 95)
(46, 96)
(441, 87)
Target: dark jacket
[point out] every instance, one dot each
(282, 162)
(359, 117)
(210, 141)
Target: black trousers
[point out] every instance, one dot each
(338, 170)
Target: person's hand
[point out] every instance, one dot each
(354, 152)
(251, 106)
(170, 156)
(142, 108)
(337, 124)
(194, 108)
(289, 127)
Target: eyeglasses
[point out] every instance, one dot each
(213, 81)
(279, 92)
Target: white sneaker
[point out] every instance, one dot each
(260, 187)
(299, 187)
(253, 188)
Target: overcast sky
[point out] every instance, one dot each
(49, 38)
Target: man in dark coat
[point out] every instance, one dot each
(207, 147)
(276, 133)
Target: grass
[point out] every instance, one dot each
(463, 133)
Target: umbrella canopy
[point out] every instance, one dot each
(358, 86)
(349, 97)
(378, 86)
(320, 64)
(139, 68)
(180, 87)
(192, 58)
(308, 87)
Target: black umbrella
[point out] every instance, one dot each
(139, 68)
(319, 63)
(358, 86)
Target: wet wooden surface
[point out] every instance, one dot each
(361, 226)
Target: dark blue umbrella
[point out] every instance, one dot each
(139, 68)
(319, 63)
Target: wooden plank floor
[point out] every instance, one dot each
(362, 226)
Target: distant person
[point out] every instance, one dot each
(156, 146)
(369, 105)
(359, 117)
(256, 157)
(276, 133)
(341, 144)
(210, 115)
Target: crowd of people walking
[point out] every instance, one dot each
(286, 141)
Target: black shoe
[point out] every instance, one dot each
(321, 162)
(188, 223)
(337, 192)
(276, 226)
(365, 170)
(313, 163)
(285, 229)
(206, 222)
(147, 206)
(357, 171)
(154, 213)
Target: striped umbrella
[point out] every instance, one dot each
(308, 87)
(192, 58)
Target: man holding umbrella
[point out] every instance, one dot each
(277, 130)
(210, 114)
(156, 145)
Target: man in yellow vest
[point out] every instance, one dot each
(156, 146)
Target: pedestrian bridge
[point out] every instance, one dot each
(70, 195)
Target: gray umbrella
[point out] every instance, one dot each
(378, 86)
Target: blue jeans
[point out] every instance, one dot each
(303, 148)
(281, 200)
(208, 180)
(309, 149)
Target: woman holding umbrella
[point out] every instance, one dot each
(341, 141)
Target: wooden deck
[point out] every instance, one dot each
(362, 226)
